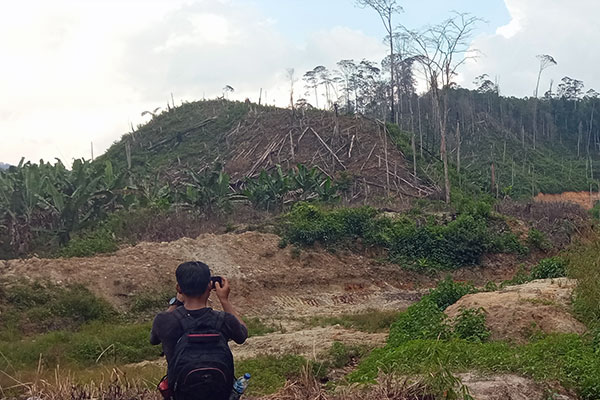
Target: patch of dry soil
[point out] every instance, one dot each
(509, 387)
(515, 312)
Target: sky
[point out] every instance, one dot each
(80, 72)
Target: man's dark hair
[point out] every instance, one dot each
(193, 277)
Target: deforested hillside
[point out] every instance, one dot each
(246, 139)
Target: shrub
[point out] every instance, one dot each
(87, 244)
(537, 239)
(470, 325)
(467, 205)
(41, 307)
(422, 320)
(595, 211)
(269, 373)
(256, 327)
(449, 292)
(507, 243)
(490, 286)
(151, 301)
(554, 267)
(520, 278)
(418, 244)
(306, 224)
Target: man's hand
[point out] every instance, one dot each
(223, 295)
(223, 290)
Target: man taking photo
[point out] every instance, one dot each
(195, 337)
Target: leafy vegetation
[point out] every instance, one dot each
(36, 307)
(470, 325)
(89, 209)
(536, 239)
(96, 341)
(421, 244)
(422, 340)
(554, 267)
(584, 265)
(568, 359)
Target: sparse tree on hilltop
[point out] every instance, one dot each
(386, 9)
(442, 49)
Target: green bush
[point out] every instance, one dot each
(42, 307)
(306, 224)
(538, 240)
(426, 319)
(449, 292)
(470, 325)
(507, 243)
(595, 211)
(422, 320)
(95, 342)
(554, 267)
(90, 243)
(468, 205)
(257, 327)
(414, 243)
(151, 301)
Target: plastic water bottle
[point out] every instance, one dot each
(239, 387)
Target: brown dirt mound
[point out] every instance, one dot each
(515, 312)
(266, 280)
(509, 387)
(584, 199)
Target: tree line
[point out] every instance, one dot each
(445, 116)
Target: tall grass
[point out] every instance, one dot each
(584, 265)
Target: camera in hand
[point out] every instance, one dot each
(215, 279)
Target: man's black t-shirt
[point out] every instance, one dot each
(166, 329)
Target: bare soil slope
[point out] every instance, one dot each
(515, 312)
(266, 280)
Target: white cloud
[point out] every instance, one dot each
(76, 72)
(567, 30)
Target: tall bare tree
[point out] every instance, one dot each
(312, 82)
(442, 49)
(546, 61)
(386, 9)
(347, 70)
(290, 75)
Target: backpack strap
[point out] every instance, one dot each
(189, 323)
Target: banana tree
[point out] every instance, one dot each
(268, 190)
(75, 198)
(209, 189)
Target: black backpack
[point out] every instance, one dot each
(202, 364)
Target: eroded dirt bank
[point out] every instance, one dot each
(266, 280)
(584, 199)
